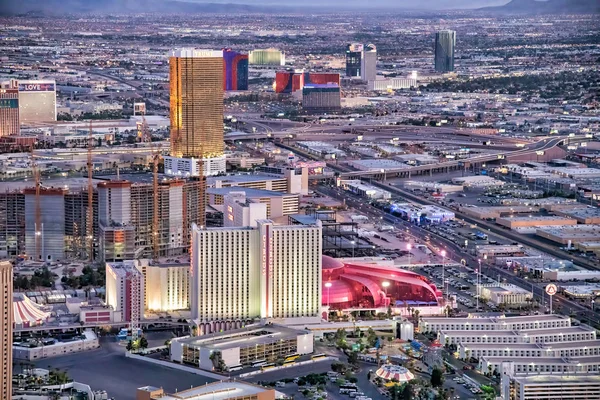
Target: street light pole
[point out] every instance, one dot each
(409, 247)
(353, 242)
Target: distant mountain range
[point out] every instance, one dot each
(546, 7)
(61, 7)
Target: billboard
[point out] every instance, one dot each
(37, 87)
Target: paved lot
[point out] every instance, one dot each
(108, 369)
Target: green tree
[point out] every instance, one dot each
(143, 343)
(129, 346)
(408, 392)
(437, 377)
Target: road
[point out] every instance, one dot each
(108, 369)
(455, 252)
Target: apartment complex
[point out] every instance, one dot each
(6, 334)
(271, 271)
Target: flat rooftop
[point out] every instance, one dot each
(557, 379)
(249, 192)
(589, 360)
(217, 391)
(532, 346)
(246, 337)
(506, 289)
(516, 319)
(211, 180)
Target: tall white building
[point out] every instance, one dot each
(125, 289)
(241, 273)
(167, 286)
(240, 211)
(368, 63)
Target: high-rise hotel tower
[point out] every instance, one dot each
(196, 96)
(270, 272)
(444, 51)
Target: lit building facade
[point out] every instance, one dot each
(266, 57)
(196, 97)
(125, 291)
(444, 51)
(166, 286)
(37, 101)
(292, 81)
(236, 70)
(47, 241)
(6, 330)
(355, 284)
(9, 112)
(271, 271)
(321, 98)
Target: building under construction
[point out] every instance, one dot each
(123, 220)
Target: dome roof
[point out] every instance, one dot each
(331, 263)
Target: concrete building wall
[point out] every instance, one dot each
(51, 233)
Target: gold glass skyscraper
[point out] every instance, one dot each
(6, 299)
(196, 85)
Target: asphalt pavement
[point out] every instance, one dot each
(108, 369)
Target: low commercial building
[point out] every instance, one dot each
(570, 235)
(506, 294)
(495, 251)
(53, 347)
(552, 335)
(377, 165)
(534, 221)
(278, 179)
(477, 181)
(222, 390)
(584, 215)
(365, 190)
(382, 85)
(496, 212)
(242, 346)
(548, 386)
(562, 349)
(437, 324)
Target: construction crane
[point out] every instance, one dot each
(90, 199)
(38, 211)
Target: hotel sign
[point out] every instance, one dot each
(36, 87)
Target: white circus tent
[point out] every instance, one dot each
(396, 372)
(27, 313)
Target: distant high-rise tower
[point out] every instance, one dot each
(196, 93)
(6, 309)
(236, 70)
(368, 63)
(361, 61)
(353, 60)
(444, 51)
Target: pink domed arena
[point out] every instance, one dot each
(355, 284)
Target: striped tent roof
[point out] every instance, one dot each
(390, 371)
(26, 312)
